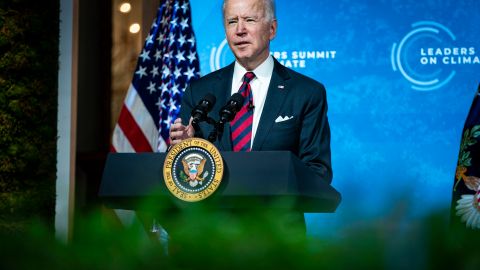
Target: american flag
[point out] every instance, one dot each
(167, 63)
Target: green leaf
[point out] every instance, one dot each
(466, 155)
(471, 142)
(468, 162)
(475, 129)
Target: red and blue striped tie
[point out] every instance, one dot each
(241, 126)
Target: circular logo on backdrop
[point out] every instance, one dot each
(428, 55)
(220, 55)
(193, 170)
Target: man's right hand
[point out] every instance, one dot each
(179, 132)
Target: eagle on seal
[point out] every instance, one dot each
(194, 171)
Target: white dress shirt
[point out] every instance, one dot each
(259, 86)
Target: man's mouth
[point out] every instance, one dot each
(242, 44)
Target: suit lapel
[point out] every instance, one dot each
(223, 92)
(277, 91)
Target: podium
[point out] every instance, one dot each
(251, 179)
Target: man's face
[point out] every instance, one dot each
(248, 31)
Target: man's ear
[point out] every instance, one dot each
(273, 29)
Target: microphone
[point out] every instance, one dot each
(228, 112)
(200, 112)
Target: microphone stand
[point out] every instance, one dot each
(217, 131)
(212, 137)
(217, 128)
(196, 126)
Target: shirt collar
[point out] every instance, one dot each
(263, 72)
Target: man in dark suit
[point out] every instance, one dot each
(288, 111)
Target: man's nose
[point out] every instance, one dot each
(240, 30)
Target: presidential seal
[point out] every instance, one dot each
(193, 169)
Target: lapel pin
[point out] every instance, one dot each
(281, 87)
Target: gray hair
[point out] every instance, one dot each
(269, 5)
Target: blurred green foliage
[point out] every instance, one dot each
(29, 41)
(201, 239)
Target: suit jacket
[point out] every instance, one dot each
(290, 93)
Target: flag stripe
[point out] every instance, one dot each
(133, 132)
(120, 141)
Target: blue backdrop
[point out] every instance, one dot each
(400, 77)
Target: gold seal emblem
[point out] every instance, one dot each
(193, 169)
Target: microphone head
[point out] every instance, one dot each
(209, 101)
(237, 101)
(228, 111)
(200, 112)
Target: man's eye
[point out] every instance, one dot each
(232, 22)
